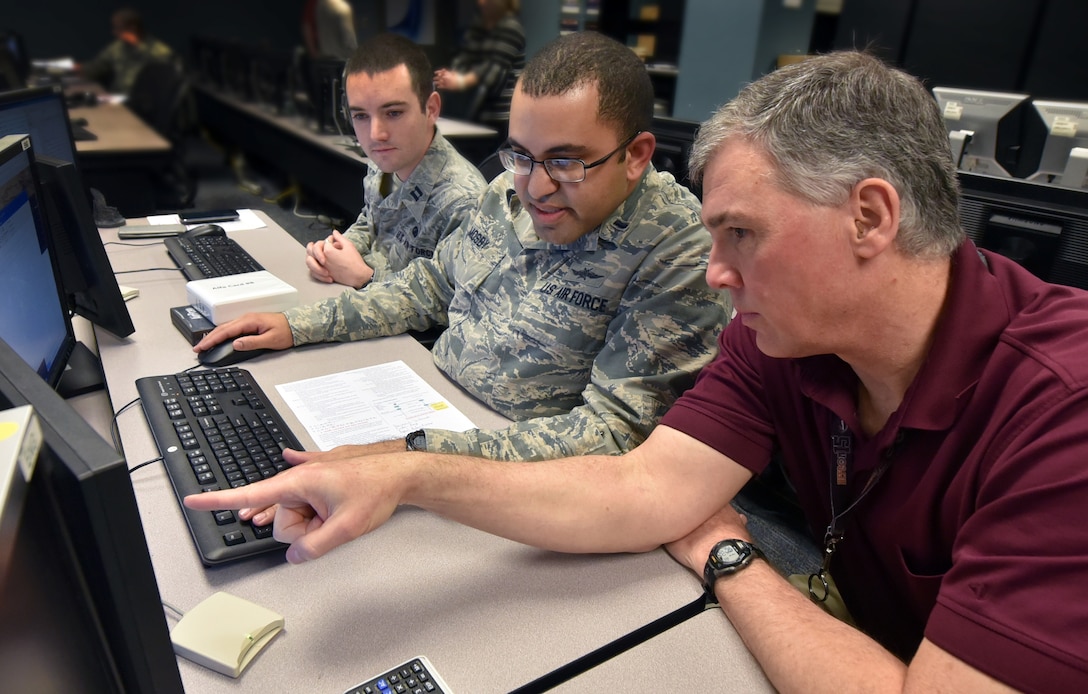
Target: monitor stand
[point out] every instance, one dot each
(1076, 169)
(957, 140)
(82, 374)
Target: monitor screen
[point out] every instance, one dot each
(984, 129)
(1066, 126)
(1043, 227)
(40, 113)
(89, 283)
(80, 608)
(34, 320)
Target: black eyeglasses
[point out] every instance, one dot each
(560, 170)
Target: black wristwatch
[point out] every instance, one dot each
(728, 557)
(416, 441)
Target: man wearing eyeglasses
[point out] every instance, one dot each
(575, 298)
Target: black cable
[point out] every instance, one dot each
(126, 243)
(147, 269)
(115, 433)
(609, 650)
(144, 464)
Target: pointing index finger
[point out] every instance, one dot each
(260, 494)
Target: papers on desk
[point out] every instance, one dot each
(375, 403)
(66, 64)
(247, 219)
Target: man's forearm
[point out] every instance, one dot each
(628, 503)
(799, 646)
(586, 504)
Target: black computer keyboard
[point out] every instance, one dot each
(210, 256)
(216, 429)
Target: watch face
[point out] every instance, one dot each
(728, 554)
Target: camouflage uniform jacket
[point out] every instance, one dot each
(117, 65)
(584, 345)
(438, 196)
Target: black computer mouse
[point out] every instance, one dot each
(205, 230)
(224, 354)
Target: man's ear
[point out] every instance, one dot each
(433, 107)
(875, 207)
(639, 152)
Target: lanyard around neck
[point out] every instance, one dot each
(842, 469)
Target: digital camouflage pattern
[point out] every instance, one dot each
(439, 195)
(117, 65)
(585, 346)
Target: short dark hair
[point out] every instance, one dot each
(384, 52)
(587, 57)
(128, 19)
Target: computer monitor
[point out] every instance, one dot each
(41, 113)
(34, 320)
(985, 130)
(674, 140)
(1064, 157)
(80, 609)
(1043, 227)
(86, 273)
(89, 283)
(326, 90)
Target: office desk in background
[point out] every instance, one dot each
(490, 614)
(121, 161)
(328, 165)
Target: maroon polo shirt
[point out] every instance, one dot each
(977, 534)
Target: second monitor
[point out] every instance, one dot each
(1064, 159)
(985, 130)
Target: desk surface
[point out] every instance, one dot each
(119, 131)
(421, 585)
(702, 654)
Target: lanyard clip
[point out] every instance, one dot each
(818, 588)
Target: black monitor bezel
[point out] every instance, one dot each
(19, 145)
(91, 483)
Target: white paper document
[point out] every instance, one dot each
(247, 219)
(375, 403)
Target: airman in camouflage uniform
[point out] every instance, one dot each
(439, 195)
(584, 345)
(417, 189)
(117, 65)
(575, 297)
